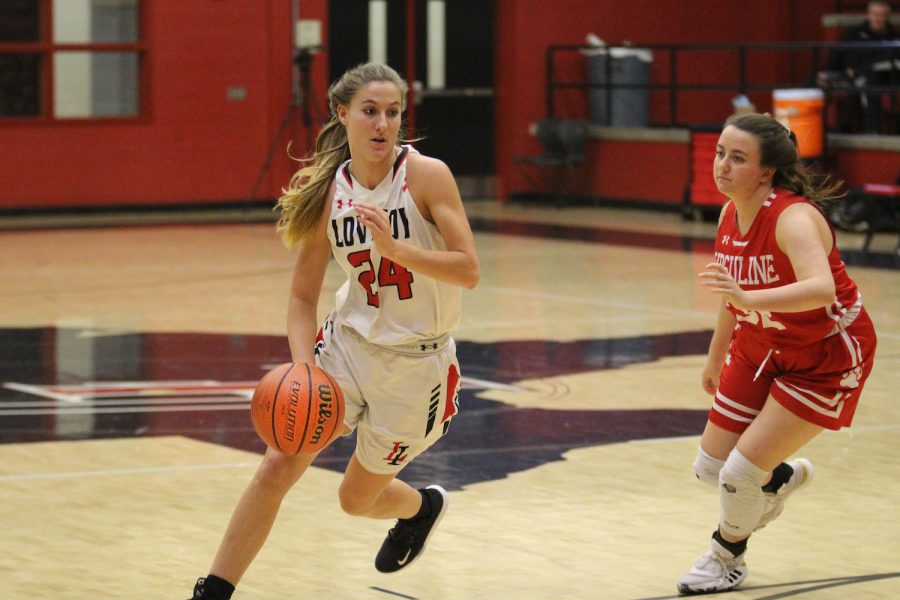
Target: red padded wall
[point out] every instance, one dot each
(192, 144)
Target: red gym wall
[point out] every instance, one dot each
(618, 169)
(195, 146)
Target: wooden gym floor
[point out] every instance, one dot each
(128, 352)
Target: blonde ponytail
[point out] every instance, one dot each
(302, 203)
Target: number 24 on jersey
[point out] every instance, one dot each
(389, 274)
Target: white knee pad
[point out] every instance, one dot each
(741, 495)
(707, 468)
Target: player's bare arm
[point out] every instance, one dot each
(718, 349)
(306, 285)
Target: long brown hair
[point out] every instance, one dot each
(778, 150)
(302, 203)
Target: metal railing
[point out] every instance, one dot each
(858, 6)
(796, 63)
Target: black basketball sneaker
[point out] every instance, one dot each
(222, 590)
(405, 542)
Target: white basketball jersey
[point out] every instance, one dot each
(383, 301)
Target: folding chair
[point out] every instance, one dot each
(563, 143)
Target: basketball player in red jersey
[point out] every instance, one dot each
(792, 347)
(394, 222)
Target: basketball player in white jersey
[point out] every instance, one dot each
(394, 221)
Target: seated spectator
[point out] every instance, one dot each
(864, 67)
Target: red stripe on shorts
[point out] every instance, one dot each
(452, 383)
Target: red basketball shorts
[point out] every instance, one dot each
(819, 382)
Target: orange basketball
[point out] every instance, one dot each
(297, 408)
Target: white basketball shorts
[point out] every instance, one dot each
(399, 398)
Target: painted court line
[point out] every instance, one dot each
(132, 471)
(109, 410)
(595, 302)
(149, 401)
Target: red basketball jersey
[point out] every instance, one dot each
(756, 263)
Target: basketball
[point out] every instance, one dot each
(297, 408)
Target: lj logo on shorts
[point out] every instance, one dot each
(397, 454)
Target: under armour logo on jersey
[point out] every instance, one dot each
(725, 239)
(341, 202)
(397, 454)
(425, 347)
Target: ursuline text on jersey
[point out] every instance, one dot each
(749, 270)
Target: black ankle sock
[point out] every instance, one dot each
(424, 510)
(736, 548)
(780, 475)
(215, 588)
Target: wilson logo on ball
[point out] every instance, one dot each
(297, 408)
(325, 412)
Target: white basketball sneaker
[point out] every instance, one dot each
(803, 474)
(717, 571)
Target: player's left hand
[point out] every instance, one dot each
(719, 281)
(379, 226)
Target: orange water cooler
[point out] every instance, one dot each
(802, 111)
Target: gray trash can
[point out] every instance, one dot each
(630, 106)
